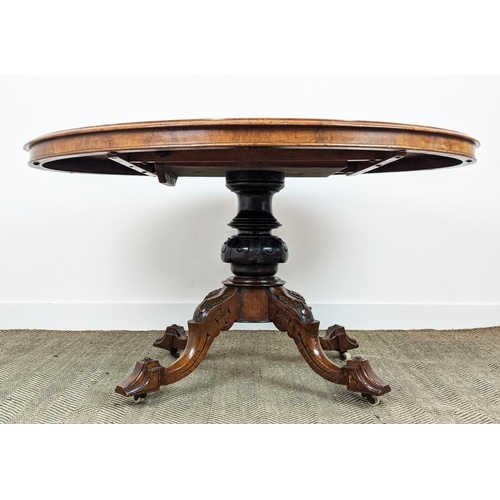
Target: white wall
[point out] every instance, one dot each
(406, 250)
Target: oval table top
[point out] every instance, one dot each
(297, 147)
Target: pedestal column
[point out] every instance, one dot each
(255, 294)
(254, 253)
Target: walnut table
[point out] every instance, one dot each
(254, 156)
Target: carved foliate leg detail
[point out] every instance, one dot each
(289, 313)
(213, 304)
(173, 339)
(218, 312)
(288, 307)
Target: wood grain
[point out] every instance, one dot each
(213, 147)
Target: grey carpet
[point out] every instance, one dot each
(249, 377)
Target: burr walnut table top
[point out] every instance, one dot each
(297, 147)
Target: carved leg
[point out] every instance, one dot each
(173, 339)
(289, 312)
(336, 339)
(218, 312)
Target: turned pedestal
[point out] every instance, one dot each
(255, 294)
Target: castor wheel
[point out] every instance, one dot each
(174, 352)
(139, 398)
(372, 400)
(345, 356)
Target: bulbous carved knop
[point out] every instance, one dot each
(254, 254)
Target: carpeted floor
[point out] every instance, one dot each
(249, 377)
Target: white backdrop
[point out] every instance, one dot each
(405, 250)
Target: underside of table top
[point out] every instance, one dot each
(209, 148)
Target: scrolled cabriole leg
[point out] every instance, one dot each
(217, 312)
(289, 313)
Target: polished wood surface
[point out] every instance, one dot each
(296, 147)
(255, 156)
